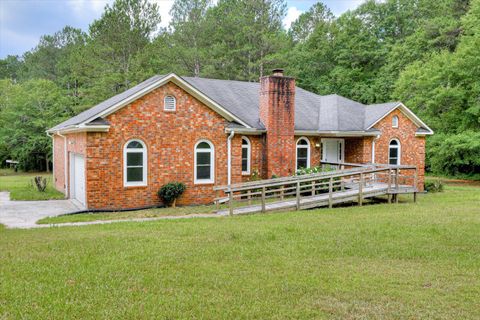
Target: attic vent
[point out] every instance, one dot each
(170, 103)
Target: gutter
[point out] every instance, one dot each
(229, 157)
(81, 128)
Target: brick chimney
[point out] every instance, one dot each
(277, 113)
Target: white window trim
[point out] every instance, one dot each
(399, 153)
(395, 121)
(249, 155)
(212, 163)
(145, 165)
(308, 152)
(165, 103)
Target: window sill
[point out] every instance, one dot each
(171, 111)
(135, 186)
(246, 173)
(203, 182)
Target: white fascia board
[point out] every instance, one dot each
(82, 128)
(423, 134)
(181, 83)
(247, 131)
(409, 113)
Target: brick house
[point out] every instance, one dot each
(206, 132)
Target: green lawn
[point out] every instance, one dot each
(21, 186)
(148, 213)
(384, 261)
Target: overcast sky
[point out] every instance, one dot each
(22, 22)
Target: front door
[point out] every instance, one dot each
(332, 150)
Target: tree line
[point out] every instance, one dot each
(425, 53)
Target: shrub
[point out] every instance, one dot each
(170, 192)
(454, 154)
(311, 170)
(434, 185)
(40, 183)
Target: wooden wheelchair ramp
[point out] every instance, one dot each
(318, 190)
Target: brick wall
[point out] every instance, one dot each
(412, 147)
(170, 137)
(358, 150)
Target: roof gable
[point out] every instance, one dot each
(385, 109)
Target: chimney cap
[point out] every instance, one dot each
(278, 72)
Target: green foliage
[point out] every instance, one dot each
(28, 110)
(434, 185)
(454, 154)
(171, 191)
(312, 170)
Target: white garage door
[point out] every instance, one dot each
(77, 180)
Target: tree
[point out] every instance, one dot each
(244, 36)
(104, 65)
(189, 40)
(318, 15)
(10, 68)
(29, 109)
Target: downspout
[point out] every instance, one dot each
(374, 148)
(65, 164)
(229, 157)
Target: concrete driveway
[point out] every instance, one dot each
(24, 214)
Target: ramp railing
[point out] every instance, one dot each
(358, 177)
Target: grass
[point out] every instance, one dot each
(375, 262)
(21, 186)
(148, 213)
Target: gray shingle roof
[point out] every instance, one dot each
(312, 112)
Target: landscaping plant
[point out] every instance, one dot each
(170, 192)
(41, 183)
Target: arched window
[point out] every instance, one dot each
(395, 122)
(170, 103)
(246, 155)
(135, 163)
(303, 153)
(394, 152)
(204, 162)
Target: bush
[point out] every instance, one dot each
(170, 192)
(40, 183)
(434, 185)
(312, 170)
(454, 154)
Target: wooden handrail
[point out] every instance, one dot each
(306, 178)
(311, 185)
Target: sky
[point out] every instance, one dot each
(23, 22)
